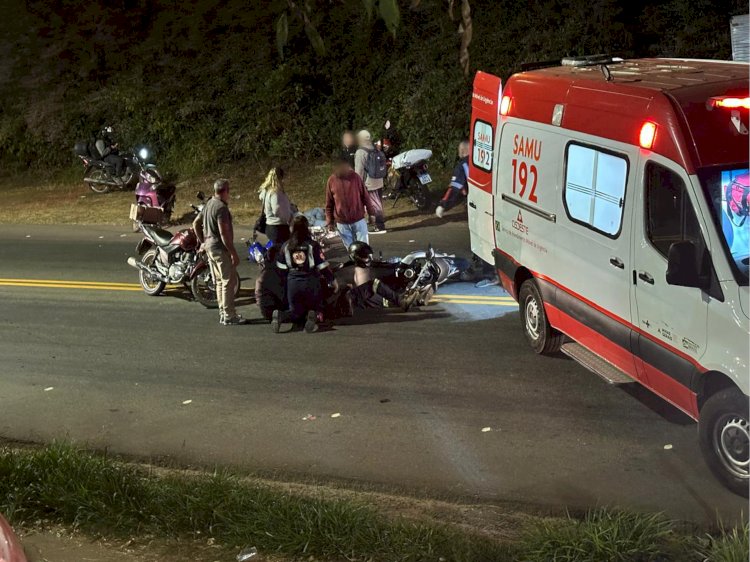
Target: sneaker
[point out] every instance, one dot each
(439, 211)
(408, 299)
(235, 320)
(311, 324)
(376, 230)
(275, 324)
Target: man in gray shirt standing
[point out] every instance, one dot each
(370, 165)
(213, 227)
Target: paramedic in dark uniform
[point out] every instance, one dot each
(459, 185)
(307, 269)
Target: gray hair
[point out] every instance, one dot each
(221, 185)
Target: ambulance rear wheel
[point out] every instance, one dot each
(542, 337)
(724, 438)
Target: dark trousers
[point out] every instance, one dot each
(304, 293)
(117, 163)
(373, 294)
(277, 233)
(453, 196)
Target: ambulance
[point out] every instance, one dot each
(612, 198)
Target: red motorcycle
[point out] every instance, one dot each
(173, 259)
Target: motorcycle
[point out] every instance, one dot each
(172, 259)
(152, 189)
(100, 176)
(408, 177)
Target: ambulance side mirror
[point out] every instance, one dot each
(682, 266)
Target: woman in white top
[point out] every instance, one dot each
(277, 206)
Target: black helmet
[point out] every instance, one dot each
(361, 253)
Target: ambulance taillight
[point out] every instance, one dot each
(505, 105)
(648, 134)
(729, 103)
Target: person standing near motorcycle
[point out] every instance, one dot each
(307, 269)
(459, 184)
(346, 201)
(370, 164)
(348, 147)
(277, 207)
(213, 227)
(108, 152)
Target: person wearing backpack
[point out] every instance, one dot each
(370, 165)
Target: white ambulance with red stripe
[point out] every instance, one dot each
(612, 197)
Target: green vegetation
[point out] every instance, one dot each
(203, 81)
(60, 484)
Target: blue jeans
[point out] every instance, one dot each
(355, 231)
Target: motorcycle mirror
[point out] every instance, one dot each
(200, 195)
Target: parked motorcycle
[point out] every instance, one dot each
(172, 259)
(152, 189)
(409, 178)
(100, 176)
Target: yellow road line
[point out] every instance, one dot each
(70, 282)
(469, 297)
(484, 303)
(71, 286)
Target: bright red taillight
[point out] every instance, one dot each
(731, 103)
(505, 105)
(648, 134)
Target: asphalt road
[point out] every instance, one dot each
(109, 366)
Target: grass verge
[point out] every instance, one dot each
(63, 198)
(60, 484)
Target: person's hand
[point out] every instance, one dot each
(235, 258)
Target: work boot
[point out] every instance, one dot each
(311, 324)
(407, 299)
(440, 211)
(275, 322)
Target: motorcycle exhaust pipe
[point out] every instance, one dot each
(132, 262)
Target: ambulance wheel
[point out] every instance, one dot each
(723, 432)
(542, 337)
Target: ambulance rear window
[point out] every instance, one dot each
(595, 188)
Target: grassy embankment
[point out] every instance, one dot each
(98, 495)
(64, 199)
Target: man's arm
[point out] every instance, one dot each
(330, 204)
(227, 237)
(198, 228)
(359, 163)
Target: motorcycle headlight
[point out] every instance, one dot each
(143, 153)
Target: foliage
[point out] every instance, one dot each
(206, 81)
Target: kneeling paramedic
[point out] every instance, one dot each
(459, 185)
(303, 260)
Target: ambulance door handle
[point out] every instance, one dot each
(645, 277)
(472, 205)
(617, 262)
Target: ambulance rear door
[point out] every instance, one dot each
(485, 108)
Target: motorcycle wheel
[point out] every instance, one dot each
(203, 288)
(152, 287)
(420, 197)
(95, 180)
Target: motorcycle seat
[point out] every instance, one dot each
(160, 236)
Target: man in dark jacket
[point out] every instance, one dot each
(459, 184)
(270, 287)
(348, 147)
(346, 203)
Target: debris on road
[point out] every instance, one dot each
(309, 417)
(186, 402)
(49, 388)
(667, 447)
(385, 400)
(247, 554)
(336, 415)
(486, 429)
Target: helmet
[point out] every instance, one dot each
(361, 254)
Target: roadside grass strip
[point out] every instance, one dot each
(60, 484)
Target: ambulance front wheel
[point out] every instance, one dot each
(723, 432)
(542, 337)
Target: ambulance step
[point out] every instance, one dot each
(595, 364)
